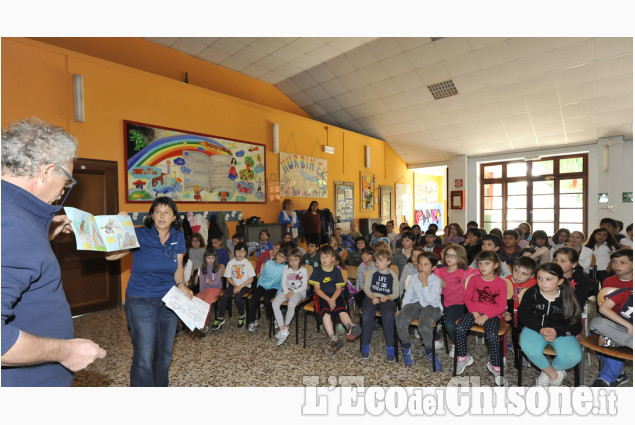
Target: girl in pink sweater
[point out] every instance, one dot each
(486, 301)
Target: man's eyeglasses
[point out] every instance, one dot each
(68, 184)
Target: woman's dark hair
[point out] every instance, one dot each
(316, 204)
(163, 200)
(209, 252)
(610, 239)
(571, 309)
(416, 226)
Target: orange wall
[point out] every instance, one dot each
(37, 81)
(147, 56)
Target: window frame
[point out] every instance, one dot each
(556, 177)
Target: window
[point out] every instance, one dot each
(548, 193)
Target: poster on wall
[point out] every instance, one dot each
(303, 176)
(367, 188)
(432, 192)
(403, 207)
(344, 211)
(191, 167)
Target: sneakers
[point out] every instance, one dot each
(407, 356)
(282, 336)
(620, 380)
(336, 344)
(543, 380)
(438, 344)
(340, 328)
(205, 329)
(451, 354)
(558, 381)
(500, 380)
(461, 365)
(600, 383)
(390, 354)
(436, 364)
(353, 332)
(241, 321)
(218, 323)
(365, 352)
(252, 326)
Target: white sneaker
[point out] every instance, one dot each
(543, 380)
(451, 354)
(252, 326)
(438, 344)
(283, 336)
(460, 366)
(558, 381)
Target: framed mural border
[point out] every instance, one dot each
(129, 175)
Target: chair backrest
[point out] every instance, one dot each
(352, 271)
(603, 293)
(520, 296)
(394, 268)
(222, 270)
(344, 255)
(344, 275)
(405, 285)
(253, 262)
(309, 270)
(593, 260)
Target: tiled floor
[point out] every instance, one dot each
(233, 357)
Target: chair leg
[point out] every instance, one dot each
(501, 341)
(305, 314)
(520, 368)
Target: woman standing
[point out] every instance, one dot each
(288, 216)
(157, 266)
(312, 223)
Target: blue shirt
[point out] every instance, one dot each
(154, 263)
(33, 298)
(328, 280)
(271, 277)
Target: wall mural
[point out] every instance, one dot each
(192, 167)
(303, 176)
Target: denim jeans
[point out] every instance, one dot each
(452, 314)
(152, 330)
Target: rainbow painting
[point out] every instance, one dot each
(192, 167)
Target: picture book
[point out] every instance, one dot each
(103, 232)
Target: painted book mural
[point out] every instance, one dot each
(303, 176)
(190, 167)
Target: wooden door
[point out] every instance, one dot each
(91, 283)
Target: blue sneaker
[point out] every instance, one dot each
(365, 351)
(436, 365)
(407, 355)
(390, 354)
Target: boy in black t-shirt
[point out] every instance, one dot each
(328, 283)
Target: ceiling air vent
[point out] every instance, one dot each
(443, 89)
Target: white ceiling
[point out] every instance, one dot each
(514, 93)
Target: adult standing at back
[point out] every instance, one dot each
(312, 223)
(288, 216)
(38, 344)
(157, 266)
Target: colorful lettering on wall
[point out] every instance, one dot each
(303, 176)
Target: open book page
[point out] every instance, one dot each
(192, 312)
(104, 233)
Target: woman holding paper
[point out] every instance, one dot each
(157, 266)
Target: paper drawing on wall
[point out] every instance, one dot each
(367, 186)
(192, 167)
(303, 176)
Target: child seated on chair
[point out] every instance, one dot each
(222, 255)
(486, 301)
(263, 243)
(328, 283)
(367, 264)
(523, 276)
(493, 243)
(240, 275)
(294, 284)
(336, 243)
(382, 289)
(355, 256)
(312, 256)
(551, 315)
(421, 301)
(410, 268)
(239, 237)
(617, 323)
(209, 278)
(268, 286)
(266, 256)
